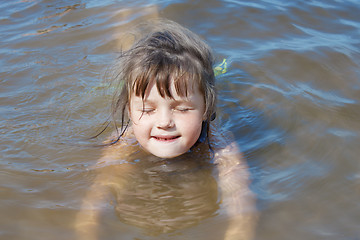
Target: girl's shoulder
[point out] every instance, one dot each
(226, 150)
(119, 148)
(220, 138)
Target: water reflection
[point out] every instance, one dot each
(164, 196)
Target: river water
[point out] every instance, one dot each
(290, 96)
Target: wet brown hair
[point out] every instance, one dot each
(168, 53)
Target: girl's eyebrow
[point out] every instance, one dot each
(173, 101)
(176, 101)
(183, 101)
(140, 100)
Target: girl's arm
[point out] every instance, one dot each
(86, 223)
(96, 198)
(237, 199)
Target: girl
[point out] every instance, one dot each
(165, 93)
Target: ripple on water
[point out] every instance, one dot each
(290, 97)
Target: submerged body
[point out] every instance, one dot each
(164, 195)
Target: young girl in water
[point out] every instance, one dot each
(165, 93)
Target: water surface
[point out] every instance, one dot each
(290, 96)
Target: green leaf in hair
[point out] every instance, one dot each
(221, 68)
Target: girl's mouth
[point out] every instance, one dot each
(166, 138)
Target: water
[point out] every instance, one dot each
(290, 96)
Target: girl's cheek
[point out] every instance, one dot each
(142, 120)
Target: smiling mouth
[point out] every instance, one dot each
(166, 138)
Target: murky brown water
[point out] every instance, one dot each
(291, 97)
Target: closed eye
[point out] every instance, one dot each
(147, 110)
(183, 109)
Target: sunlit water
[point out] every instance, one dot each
(290, 96)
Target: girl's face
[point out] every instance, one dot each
(167, 127)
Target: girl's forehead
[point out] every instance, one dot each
(153, 98)
(172, 89)
(184, 94)
(169, 78)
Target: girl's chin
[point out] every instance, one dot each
(166, 155)
(162, 154)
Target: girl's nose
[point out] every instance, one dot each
(165, 120)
